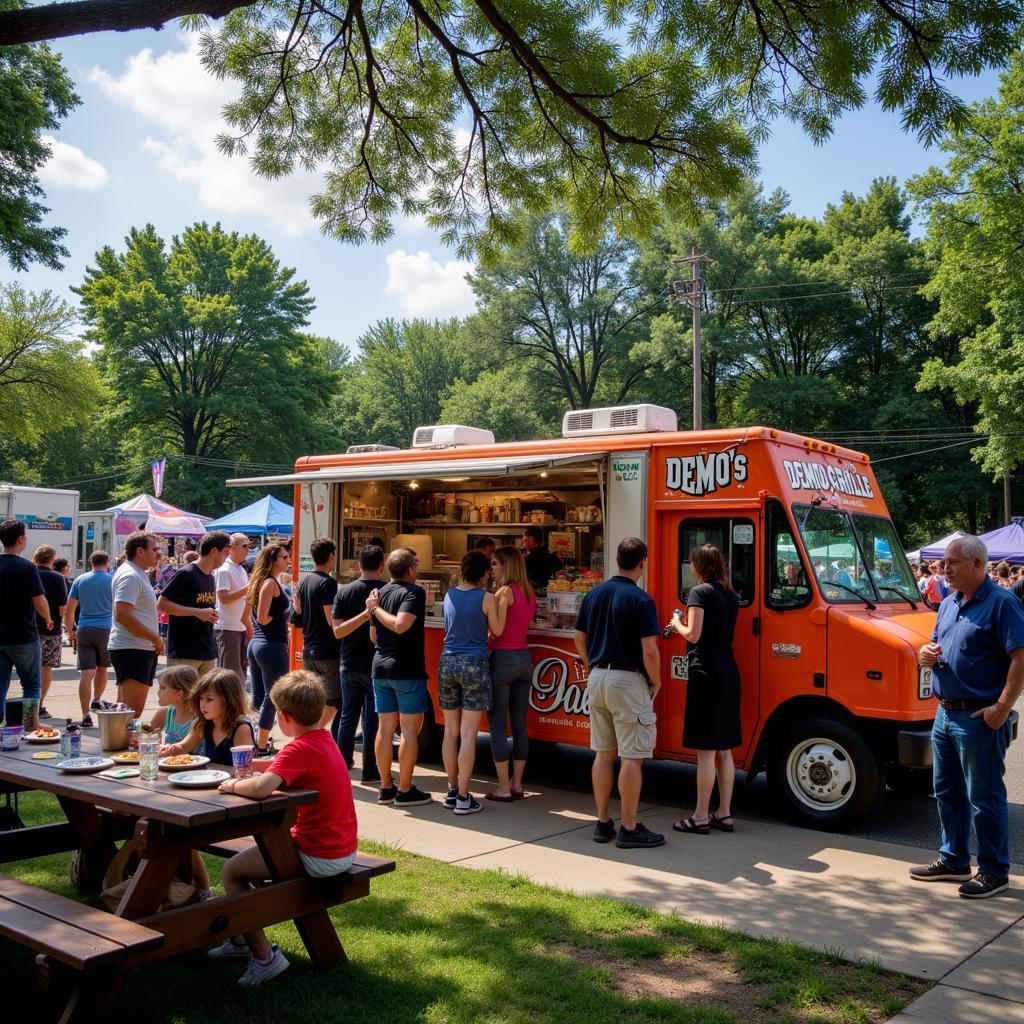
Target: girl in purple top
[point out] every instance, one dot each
(511, 671)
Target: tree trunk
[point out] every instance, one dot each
(55, 21)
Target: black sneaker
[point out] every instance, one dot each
(638, 838)
(96, 705)
(467, 804)
(387, 795)
(412, 797)
(604, 831)
(370, 775)
(43, 713)
(86, 722)
(451, 796)
(982, 885)
(937, 871)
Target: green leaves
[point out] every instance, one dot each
(35, 94)
(46, 381)
(616, 110)
(201, 344)
(975, 207)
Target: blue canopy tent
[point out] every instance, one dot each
(268, 515)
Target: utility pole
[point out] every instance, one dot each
(691, 293)
(1007, 519)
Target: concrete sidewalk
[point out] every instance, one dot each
(833, 892)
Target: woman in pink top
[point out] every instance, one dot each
(511, 671)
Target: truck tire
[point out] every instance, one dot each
(914, 782)
(824, 774)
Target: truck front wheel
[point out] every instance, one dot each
(824, 774)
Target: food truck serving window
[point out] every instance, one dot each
(734, 537)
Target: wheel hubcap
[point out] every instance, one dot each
(821, 774)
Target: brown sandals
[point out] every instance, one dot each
(723, 824)
(692, 825)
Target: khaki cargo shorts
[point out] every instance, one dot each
(621, 713)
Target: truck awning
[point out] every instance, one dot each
(436, 470)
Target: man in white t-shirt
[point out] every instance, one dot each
(234, 623)
(135, 642)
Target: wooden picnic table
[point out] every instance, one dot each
(167, 823)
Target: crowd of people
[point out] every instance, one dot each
(227, 681)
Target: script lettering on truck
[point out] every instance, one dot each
(706, 473)
(559, 689)
(814, 476)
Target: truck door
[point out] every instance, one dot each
(793, 632)
(736, 533)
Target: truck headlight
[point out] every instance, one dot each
(924, 683)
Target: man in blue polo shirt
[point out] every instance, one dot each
(617, 638)
(976, 654)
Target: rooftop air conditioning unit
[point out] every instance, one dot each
(619, 419)
(362, 449)
(450, 435)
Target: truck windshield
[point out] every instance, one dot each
(858, 555)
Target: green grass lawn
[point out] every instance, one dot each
(446, 945)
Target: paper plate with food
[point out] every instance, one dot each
(182, 762)
(125, 757)
(44, 734)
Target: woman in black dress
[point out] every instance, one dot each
(711, 724)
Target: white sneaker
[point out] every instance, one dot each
(257, 973)
(229, 950)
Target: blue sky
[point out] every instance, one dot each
(142, 141)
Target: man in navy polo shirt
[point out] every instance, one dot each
(617, 638)
(976, 654)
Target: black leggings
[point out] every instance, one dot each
(511, 679)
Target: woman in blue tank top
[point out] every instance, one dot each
(464, 677)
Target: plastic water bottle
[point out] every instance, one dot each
(670, 630)
(70, 741)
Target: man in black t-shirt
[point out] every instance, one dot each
(399, 675)
(313, 600)
(190, 599)
(617, 639)
(541, 565)
(1018, 589)
(21, 597)
(56, 589)
(351, 622)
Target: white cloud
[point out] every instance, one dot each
(182, 103)
(424, 287)
(69, 167)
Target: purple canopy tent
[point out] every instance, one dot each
(1006, 544)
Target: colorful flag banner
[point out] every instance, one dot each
(158, 466)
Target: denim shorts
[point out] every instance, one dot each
(464, 681)
(406, 696)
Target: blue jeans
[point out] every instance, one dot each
(356, 699)
(268, 661)
(968, 764)
(27, 659)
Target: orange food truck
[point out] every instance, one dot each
(834, 705)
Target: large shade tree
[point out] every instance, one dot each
(202, 347)
(463, 111)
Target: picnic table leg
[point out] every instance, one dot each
(316, 930)
(92, 997)
(98, 848)
(152, 878)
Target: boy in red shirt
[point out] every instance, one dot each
(324, 832)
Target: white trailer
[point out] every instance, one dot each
(50, 517)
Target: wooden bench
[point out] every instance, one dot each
(366, 864)
(92, 942)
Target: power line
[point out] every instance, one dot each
(942, 448)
